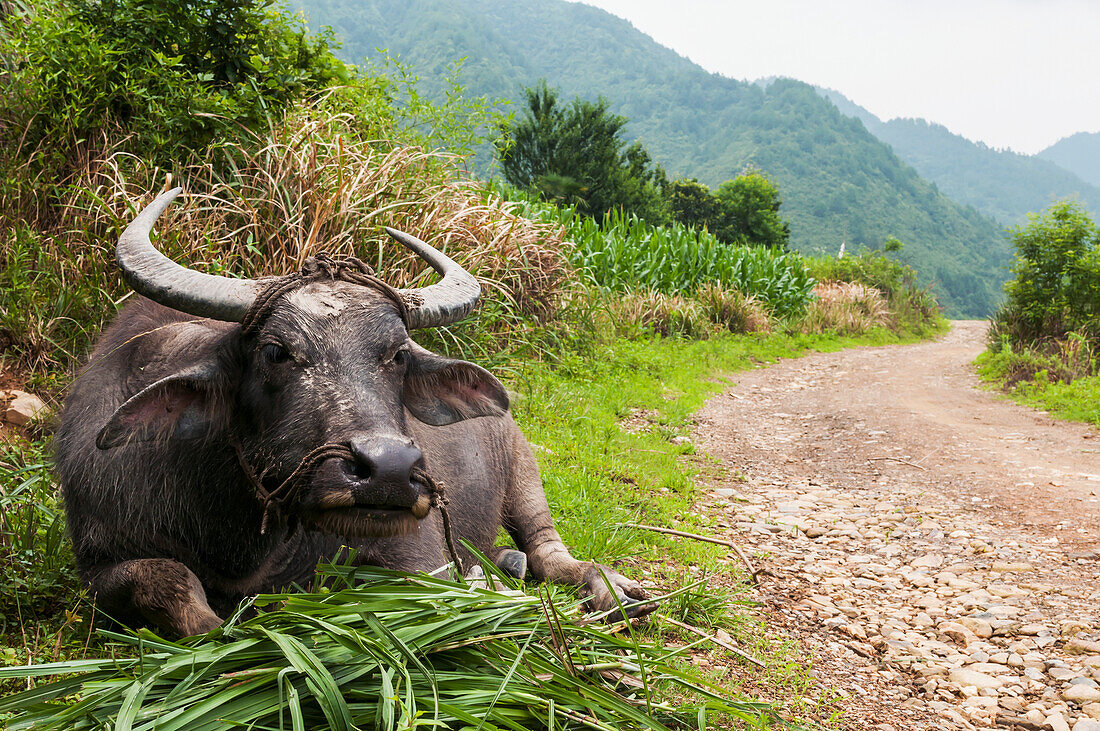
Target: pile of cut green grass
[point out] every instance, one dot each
(384, 650)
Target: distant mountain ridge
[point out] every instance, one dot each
(1079, 153)
(839, 183)
(1001, 184)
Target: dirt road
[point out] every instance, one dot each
(935, 548)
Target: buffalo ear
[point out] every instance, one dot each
(441, 391)
(180, 406)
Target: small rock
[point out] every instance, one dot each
(964, 677)
(22, 407)
(814, 531)
(1081, 693)
(1057, 722)
(989, 668)
(1082, 647)
(928, 561)
(1092, 710)
(1036, 716)
(1070, 627)
(979, 627)
(1031, 630)
(1015, 567)
(1085, 724)
(855, 631)
(957, 632)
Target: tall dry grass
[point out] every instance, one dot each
(309, 184)
(732, 309)
(847, 308)
(640, 312)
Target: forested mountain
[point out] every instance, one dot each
(1080, 154)
(839, 183)
(1001, 184)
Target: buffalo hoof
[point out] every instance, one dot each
(609, 591)
(513, 563)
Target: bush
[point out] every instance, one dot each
(163, 79)
(913, 307)
(733, 310)
(847, 308)
(648, 312)
(1056, 284)
(312, 183)
(743, 211)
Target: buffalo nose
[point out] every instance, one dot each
(385, 460)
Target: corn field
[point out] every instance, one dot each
(624, 253)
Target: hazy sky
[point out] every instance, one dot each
(1011, 73)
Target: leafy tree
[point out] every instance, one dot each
(750, 211)
(744, 210)
(168, 76)
(576, 154)
(1056, 285)
(892, 245)
(693, 204)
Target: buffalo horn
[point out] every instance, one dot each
(160, 279)
(447, 301)
(154, 275)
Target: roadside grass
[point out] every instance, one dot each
(603, 428)
(1078, 400)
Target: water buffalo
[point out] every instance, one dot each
(227, 434)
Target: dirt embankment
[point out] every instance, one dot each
(933, 546)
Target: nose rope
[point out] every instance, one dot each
(274, 501)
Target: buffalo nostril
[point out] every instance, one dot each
(384, 460)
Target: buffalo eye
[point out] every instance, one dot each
(275, 353)
(401, 358)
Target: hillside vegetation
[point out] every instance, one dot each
(1079, 153)
(839, 183)
(1001, 184)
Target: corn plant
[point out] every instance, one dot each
(623, 252)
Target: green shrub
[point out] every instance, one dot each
(913, 307)
(1055, 288)
(36, 561)
(161, 79)
(1043, 342)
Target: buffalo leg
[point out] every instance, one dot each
(527, 518)
(154, 591)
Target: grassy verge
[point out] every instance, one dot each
(604, 427)
(1078, 400)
